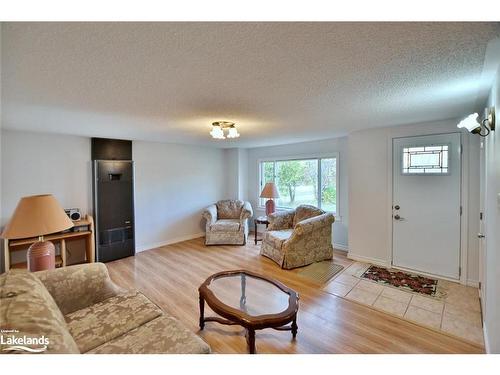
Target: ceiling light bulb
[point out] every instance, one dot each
(233, 132)
(217, 132)
(470, 123)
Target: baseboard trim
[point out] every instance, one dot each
(486, 341)
(338, 246)
(362, 258)
(142, 248)
(473, 283)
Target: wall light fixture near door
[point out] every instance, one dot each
(481, 127)
(218, 128)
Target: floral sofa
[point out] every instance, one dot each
(299, 237)
(227, 222)
(78, 309)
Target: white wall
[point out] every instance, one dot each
(173, 184)
(367, 165)
(236, 173)
(37, 163)
(242, 174)
(370, 179)
(328, 146)
(492, 228)
(231, 173)
(473, 209)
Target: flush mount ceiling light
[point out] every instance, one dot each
(477, 126)
(218, 128)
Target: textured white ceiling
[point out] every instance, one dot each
(280, 82)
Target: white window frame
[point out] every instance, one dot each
(333, 155)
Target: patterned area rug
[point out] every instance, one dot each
(320, 272)
(399, 279)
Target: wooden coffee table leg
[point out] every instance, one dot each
(295, 327)
(250, 335)
(202, 313)
(255, 233)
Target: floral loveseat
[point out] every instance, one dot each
(299, 237)
(78, 309)
(227, 222)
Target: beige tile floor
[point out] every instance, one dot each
(456, 311)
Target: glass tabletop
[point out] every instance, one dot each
(251, 295)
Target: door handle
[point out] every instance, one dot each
(397, 217)
(480, 235)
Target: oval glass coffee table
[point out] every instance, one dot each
(250, 300)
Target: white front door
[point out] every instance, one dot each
(426, 204)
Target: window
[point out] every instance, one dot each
(425, 160)
(302, 181)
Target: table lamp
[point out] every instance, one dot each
(36, 216)
(270, 191)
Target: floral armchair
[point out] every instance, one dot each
(299, 237)
(227, 222)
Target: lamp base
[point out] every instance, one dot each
(41, 256)
(270, 207)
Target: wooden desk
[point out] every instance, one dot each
(61, 237)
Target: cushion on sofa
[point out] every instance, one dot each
(27, 307)
(78, 286)
(277, 237)
(226, 225)
(109, 319)
(161, 335)
(306, 211)
(229, 209)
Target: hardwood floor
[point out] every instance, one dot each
(170, 277)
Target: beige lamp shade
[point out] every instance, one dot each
(37, 215)
(270, 191)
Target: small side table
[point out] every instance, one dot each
(260, 220)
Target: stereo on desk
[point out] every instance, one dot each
(73, 213)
